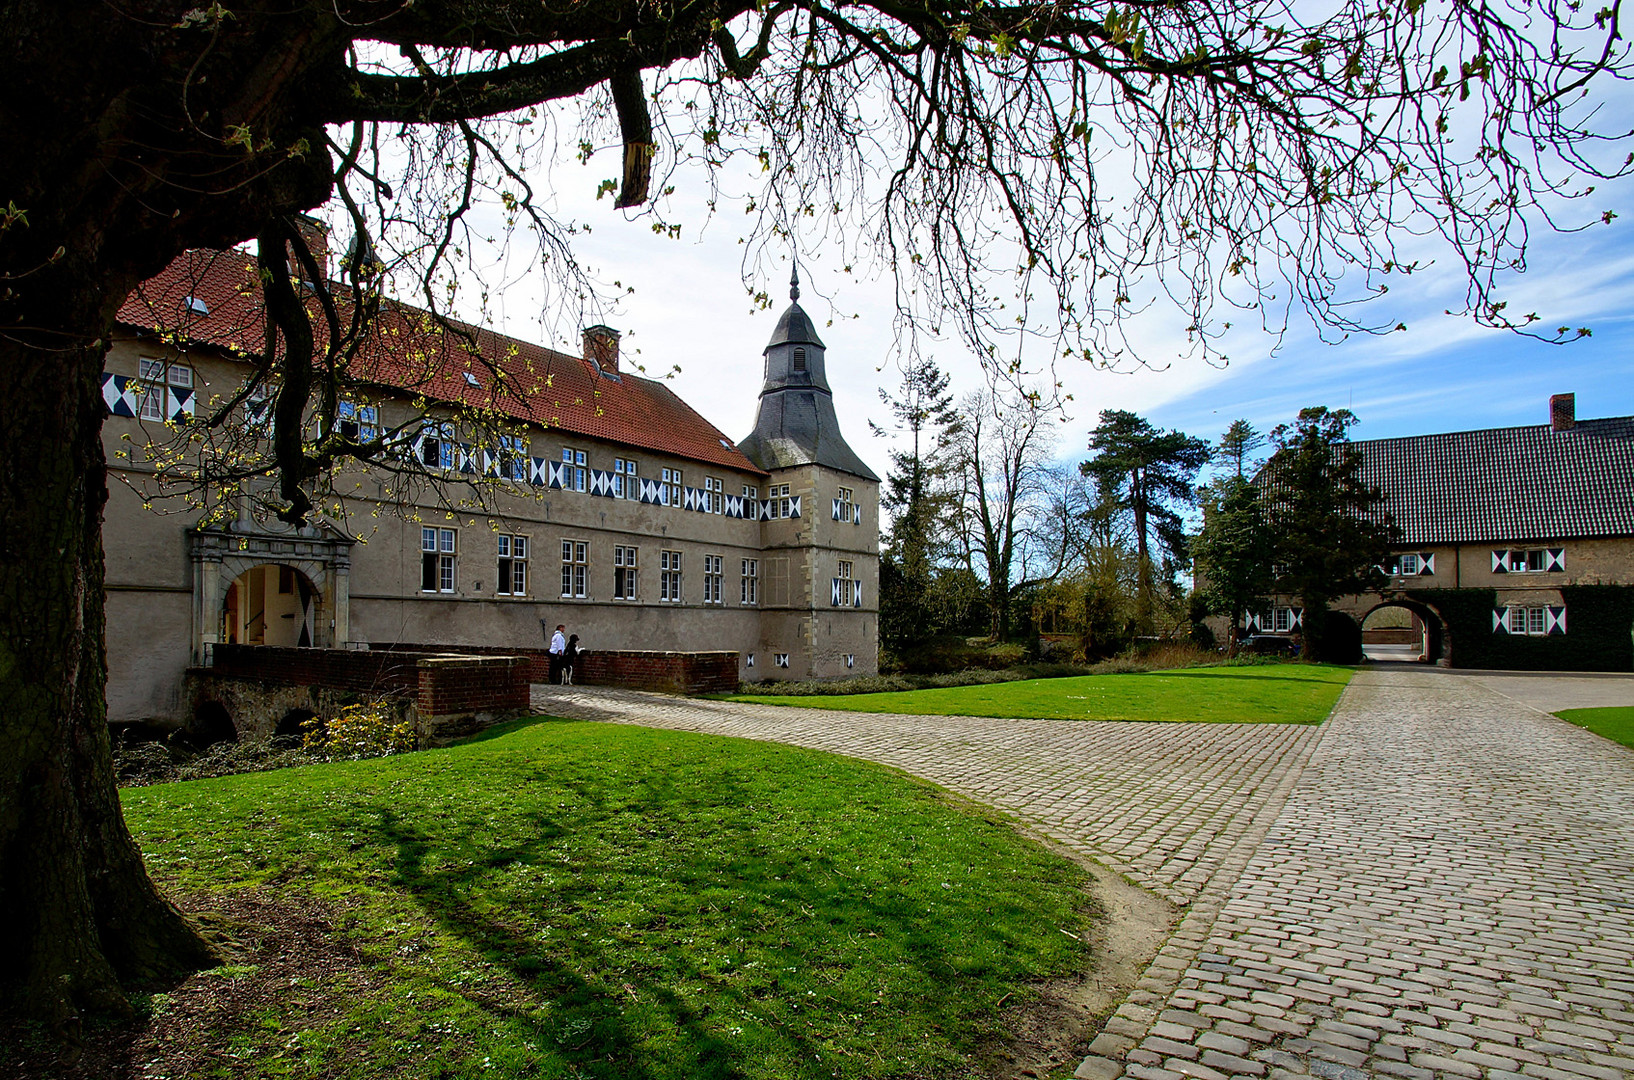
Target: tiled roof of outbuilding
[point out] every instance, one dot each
(409, 352)
(1514, 484)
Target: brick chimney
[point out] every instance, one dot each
(601, 346)
(1563, 412)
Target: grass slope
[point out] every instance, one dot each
(568, 899)
(1272, 694)
(1615, 723)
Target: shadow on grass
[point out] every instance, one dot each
(1317, 680)
(510, 727)
(786, 905)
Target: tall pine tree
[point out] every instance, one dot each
(1332, 531)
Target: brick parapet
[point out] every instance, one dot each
(666, 672)
(441, 684)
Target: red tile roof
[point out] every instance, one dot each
(408, 351)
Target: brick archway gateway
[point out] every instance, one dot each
(318, 553)
(1438, 641)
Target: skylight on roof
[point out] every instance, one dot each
(197, 306)
(726, 444)
(471, 380)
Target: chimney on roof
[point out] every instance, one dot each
(1562, 412)
(316, 235)
(601, 347)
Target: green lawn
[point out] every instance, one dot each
(569, 899)
(1269, 694)
(1615, 723)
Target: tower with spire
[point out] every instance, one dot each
(821, 524)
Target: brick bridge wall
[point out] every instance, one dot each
(666, 672)
(441, 683)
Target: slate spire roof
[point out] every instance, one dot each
(796, 423)
(1508, 485)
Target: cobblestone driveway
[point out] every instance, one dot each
(1438, 882)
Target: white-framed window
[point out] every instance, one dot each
(258, 405)
(360, 423)
(782, 504)
(1530, 620)
(625, 474)
(780, 659)
(574, 460)
(712, 579)
(669, 491)
(841, 594)
(1529, 560)
(437, 446)
(845, 505)
(167, 389)
(751, 492)
(1282, 620)
(511, 458)
(751, 582)
(512, 579)
(625, 569)
(669, 577)
(437, 551)
(575, 568)
(714, 500)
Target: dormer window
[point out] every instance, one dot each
(197, 306)
(799, 360)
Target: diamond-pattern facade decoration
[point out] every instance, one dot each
(120, 393)
(601, 483)
(538, 474)
(648, 491)
(734, 506)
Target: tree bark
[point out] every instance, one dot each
(79, 918)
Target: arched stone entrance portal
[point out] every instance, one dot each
(263, 586)
(271, 604)
(1404, 630)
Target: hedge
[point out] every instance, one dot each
(1599, 630)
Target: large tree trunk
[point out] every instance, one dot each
(79, 918)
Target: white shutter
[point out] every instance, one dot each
(181, 404)
(835, 509)
(1555, 559)
(1428, 567)
(1554, 620)
(794, 506)
(1500, 562)
(834, 592)
(856, 594)
(1500, 620)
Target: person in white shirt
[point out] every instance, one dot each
(558, 653)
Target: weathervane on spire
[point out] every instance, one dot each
(794, 283)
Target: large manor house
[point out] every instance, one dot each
(618, 510)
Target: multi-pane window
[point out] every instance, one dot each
(782, 504)
(846, 508)
(437, 560)
(1531, 621)
(669, 577)
(712, 579)
(751, 581)
(511, 458)
(360, 423)
(624, 479)
(437, 446)
(1283, 620)
(258, 404)
(624, 572)
(751, 492)
(574, 459)
(843, 584)
(670, 493)
(167, 389)
(714, 501)
(1529, 560)
(575, 567)
(513, 566)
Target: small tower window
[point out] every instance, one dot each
(799, 359)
